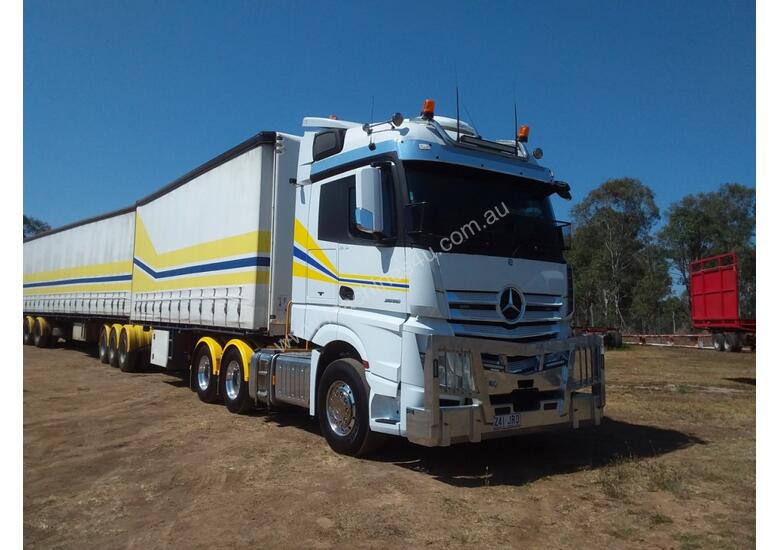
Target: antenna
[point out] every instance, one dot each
(457, 104)
(514, 130)
(371, 145)
(457, 109)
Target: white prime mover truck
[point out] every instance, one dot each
(403, 277)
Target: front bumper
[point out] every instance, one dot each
(566, 395)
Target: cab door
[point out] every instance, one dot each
(372, 268)
(321, 253)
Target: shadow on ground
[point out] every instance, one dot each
(524, 459)
(743, 380)
(516, 460)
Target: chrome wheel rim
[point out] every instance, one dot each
(204, 372)
(233, 378)
(340, 408)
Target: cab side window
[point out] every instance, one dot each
(337, 211)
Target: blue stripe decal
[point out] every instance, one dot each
(351, 155)
(410, 150)
(81, 280)
(253, 261)
(301, 255)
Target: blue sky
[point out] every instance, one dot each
(122, 97)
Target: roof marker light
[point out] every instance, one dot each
(522, 133)
(429, 106)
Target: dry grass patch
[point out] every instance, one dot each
(629, 476)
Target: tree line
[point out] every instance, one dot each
(626, 257)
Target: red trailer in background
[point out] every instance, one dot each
(715, 303)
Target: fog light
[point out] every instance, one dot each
(455, 376)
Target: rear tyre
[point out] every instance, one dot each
(28, 333)
(113, 355)
(103, 345)
(235, 390)
(718, 341)
(41, 335)
(732, 343)
(342, 408)
(206, 382)
(127, 360)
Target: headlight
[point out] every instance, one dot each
(454, 371)
(558, 359)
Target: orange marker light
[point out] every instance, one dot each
(429, 106)
(522, 133)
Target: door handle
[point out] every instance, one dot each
(346, 293)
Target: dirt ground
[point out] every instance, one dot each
(114, 460)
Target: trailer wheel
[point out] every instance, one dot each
(103, 345)
(41, 335)
(733, 343)
(206, 383)
(127, 360)
(28, 332)
(718, 341)
(342, 408)
(235, 390)
(113, 355)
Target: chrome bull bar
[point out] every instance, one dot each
(573, 389)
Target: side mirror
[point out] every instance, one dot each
(562, 189)
(368, 200)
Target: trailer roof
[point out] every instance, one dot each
(261, 138)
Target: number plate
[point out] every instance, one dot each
(504, 421)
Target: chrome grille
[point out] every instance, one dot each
(476, 314)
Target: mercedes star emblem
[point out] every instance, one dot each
(511, 304)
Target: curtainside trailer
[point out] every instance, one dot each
(402, 278)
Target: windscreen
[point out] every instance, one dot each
(470, 211)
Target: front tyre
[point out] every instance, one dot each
(342, 409)
(235, 390)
